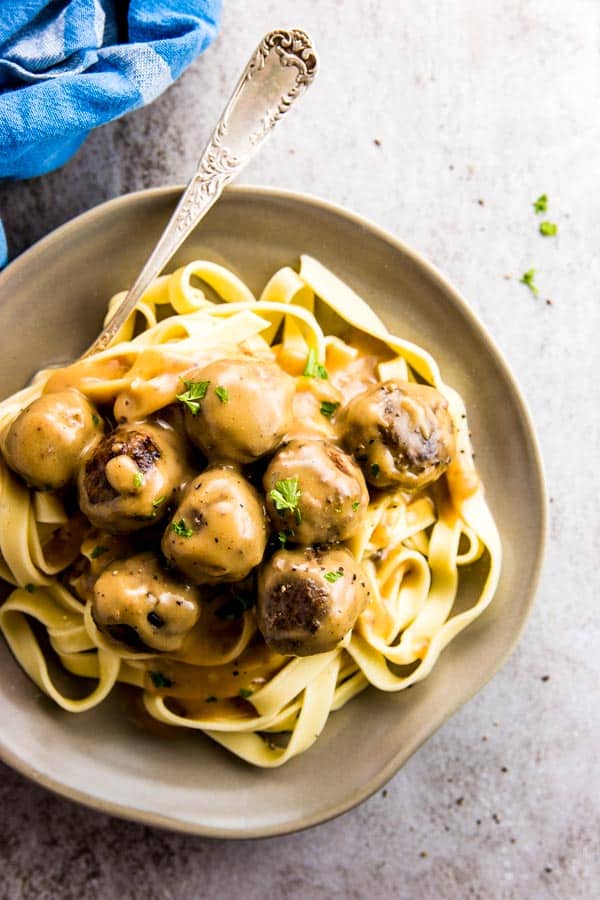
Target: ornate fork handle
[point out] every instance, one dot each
(278, 72)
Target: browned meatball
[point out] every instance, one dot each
(219, 530)
(245, 411)
(400, 433)
(315, 492)
(128, 481)
(308, 599)
(139, 604)
(45, 442)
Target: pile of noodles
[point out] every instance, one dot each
(412, 547)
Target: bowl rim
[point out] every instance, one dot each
(366, 790)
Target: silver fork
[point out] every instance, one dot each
(283, 65)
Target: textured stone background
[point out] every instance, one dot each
(479, 106)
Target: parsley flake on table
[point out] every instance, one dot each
(313, 367)
(181, 529)
(193, 395)
(222, 393)
(541, 204)
(548, 229)
(527, 279)
(286, 496)
(332, 577)
(328, 408)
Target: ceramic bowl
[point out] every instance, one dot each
(52, 300)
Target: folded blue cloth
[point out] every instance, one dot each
(67, 66)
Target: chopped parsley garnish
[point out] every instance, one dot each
(245, 693)
(541, 204)
(313, 367)
(374, 470)
(222, 393)
(181, 529)
(548, 229)
(138, 480)
(98, 550)
(283, 536)
(355, 505)
(158, 501)
(328, 408)
(159, 680)
(332, 577)
(30, 588)
(527, 279)
(95, 421)
(211, 699)
(286, 496)
(195, 393)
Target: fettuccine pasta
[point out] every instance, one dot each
(227, 672)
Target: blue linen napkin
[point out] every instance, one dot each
(67, 66)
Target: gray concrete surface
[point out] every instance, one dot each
(442, 121)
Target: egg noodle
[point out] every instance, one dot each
(412, 546)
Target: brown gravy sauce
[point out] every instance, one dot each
(213, 691)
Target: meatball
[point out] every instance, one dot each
(315, 493)
(219, 530)
(308, 599)
(128, 481)
(244, 411)
(401, 433)
(45, 442)
(139, 604)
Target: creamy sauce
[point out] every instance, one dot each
(154, 381)
(64, 546)
(199, 688)
(462, 480)
(98, 379)
(214, 637)
(308, 419)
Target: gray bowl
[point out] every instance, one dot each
(52, 300)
